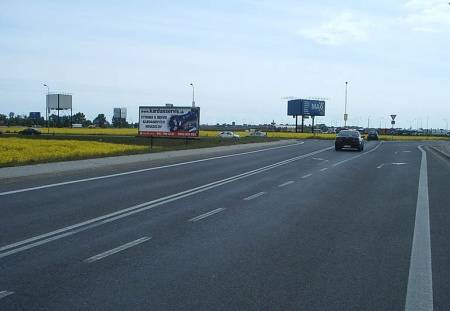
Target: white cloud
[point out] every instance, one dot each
(343, 28)
(428, 15)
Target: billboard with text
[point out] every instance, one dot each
(169, 121)
(306, 107)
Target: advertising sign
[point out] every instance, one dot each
(169, 121)
(306, 107)
(35, 115)
(59, 101)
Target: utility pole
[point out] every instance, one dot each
(193, 98)
(345, 107)
(46, 107)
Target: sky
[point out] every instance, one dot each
(244, 58)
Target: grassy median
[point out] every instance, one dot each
(17, 150)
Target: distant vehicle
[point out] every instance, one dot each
(373, 135)
(30, 131)
(258, 134)
(228, 134)
(349, 139)
(77, 125)
(91, 126)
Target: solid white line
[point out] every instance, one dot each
(286, 183)
(359, 155)
(380, 166)
(117, 249)
(202, 216)
(95, 222)
(254, 196)
(419, 294)
(323, 169)
(5, 293)
(306, 176)
(143, 170)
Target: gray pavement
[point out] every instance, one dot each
(297, 228)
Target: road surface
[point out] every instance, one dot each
(297, 227)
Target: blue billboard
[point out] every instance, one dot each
(35, 115)
(306, 107)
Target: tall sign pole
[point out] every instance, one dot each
(193, 98)
(345, 107)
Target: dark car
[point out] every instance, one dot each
(373, 135)
(349, 139)
(30, 131)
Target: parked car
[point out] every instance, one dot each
(30, 131)
(228, 134)
(373, 135)
(258, 134)
(349, 139)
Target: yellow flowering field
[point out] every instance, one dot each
(19, 151)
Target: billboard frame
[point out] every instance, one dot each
(161, 134)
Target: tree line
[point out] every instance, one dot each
(62, 121)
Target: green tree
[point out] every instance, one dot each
(100, 120)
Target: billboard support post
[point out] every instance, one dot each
(296, 123)
(303, 123)
(312, 125)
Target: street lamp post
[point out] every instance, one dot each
(345, 107)
(46, 107)
(193, 98)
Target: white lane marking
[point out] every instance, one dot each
(419, 293)
(286, 183)
(143, 170)
(406, 151)
(318, 159)
(202, 216)
(117, 249)
(324, 169)
(359, 155)
(306, 176)
(399, 163)
(254, 196)
(95, 222)
(380, 166)
(5, 293)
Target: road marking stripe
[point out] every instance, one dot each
(286, 183)
(254, 196)
(95, 222)
(380, 166)
(116, 250)
(419, 294)
(324, 169)
(306, 176)
(143, 170)
(5, 293)
(202, 216)
(359, 155)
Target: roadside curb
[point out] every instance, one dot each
(66, 166)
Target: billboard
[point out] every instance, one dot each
(169, 121)
(120, 113)
(35, 115)
(59, 101)
(306, 107)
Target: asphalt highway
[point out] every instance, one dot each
(294, 227)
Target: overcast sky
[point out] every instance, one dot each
(242, 56)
